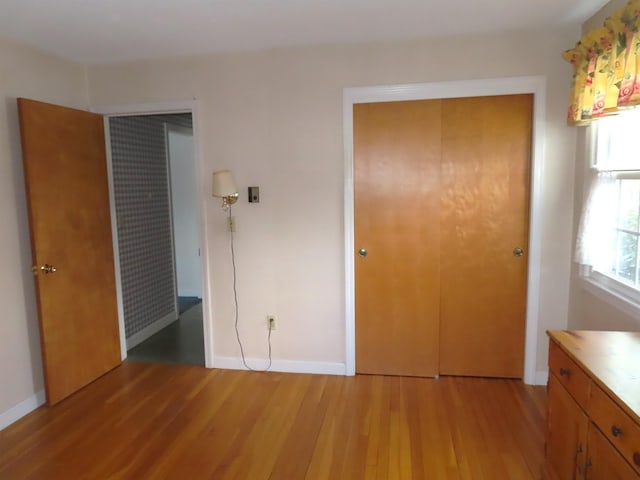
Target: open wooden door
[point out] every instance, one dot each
(68, 200)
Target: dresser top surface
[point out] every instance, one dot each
(612, 359)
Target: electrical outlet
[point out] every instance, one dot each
(232, 224)
(271, 322)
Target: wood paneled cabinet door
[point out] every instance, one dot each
(566, 435)
(603, 461)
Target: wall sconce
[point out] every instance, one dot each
(223, 186)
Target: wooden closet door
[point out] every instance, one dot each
(486, 150)
(397, 204)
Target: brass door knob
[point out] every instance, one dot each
(46, 268)
(518, 252)
(363, 252)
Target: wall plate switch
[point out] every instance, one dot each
(254, 194)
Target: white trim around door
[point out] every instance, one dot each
(535, 85)
(187, 106)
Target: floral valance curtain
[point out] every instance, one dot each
(606, 66)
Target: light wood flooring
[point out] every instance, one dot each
(154, 421)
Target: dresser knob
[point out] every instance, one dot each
(615, 431)
(636, 458)
(564, 372)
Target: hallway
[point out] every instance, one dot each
(182, 342)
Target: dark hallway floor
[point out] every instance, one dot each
(181, 342)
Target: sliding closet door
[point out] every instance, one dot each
(486, 151)
(441, 235)
(397, 237)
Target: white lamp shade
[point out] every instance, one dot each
(223, 184)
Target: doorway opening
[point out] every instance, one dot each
(157, 233)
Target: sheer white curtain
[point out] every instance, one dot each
(595, 234)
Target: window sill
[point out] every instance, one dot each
(616, 299)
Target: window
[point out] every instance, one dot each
(614, 191)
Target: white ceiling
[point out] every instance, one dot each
(96, 31)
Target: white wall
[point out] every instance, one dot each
(185, 212)
(588, 311)
(24, 72)
(275, 118)
(597, 20)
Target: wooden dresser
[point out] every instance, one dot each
(593, 416)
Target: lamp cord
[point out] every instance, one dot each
(235, 301)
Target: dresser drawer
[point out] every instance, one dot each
(605, 463)
(616, 425)
(569, 374)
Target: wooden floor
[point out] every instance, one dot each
(152, 421)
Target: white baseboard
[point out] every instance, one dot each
(286, 366)
(542, 377)
(18, 411)
(321, 368)
(152, 329)
(190, 293)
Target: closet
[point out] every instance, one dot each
(441, 197)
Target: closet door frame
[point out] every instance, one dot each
(535, 85)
